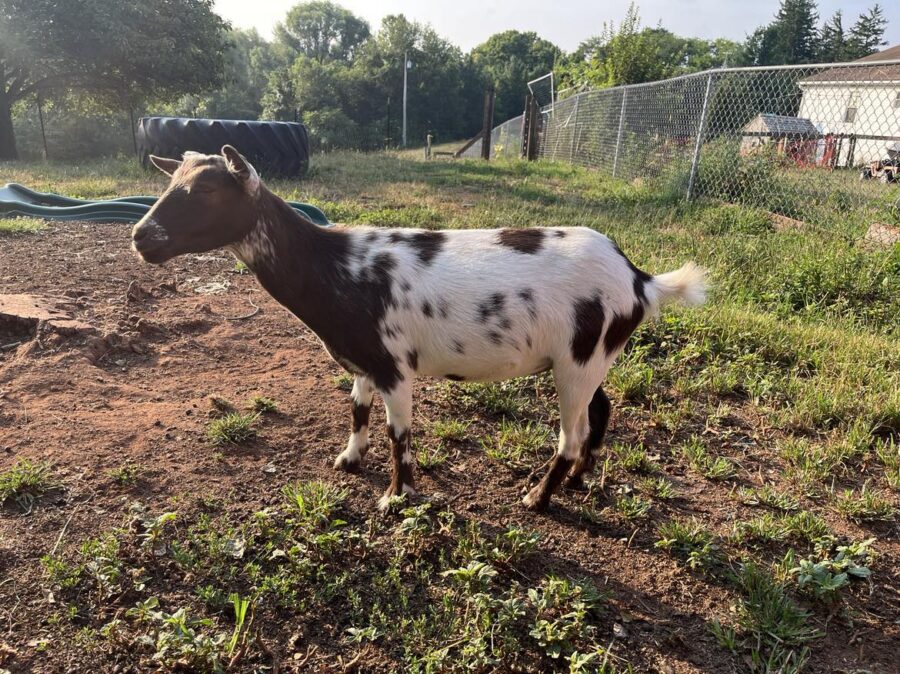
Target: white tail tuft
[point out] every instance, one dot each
(687, 284)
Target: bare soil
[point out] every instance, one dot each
(131, 378)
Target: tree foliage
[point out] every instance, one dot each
(832, 40)
(322, 31)
(344, 79)
(629, 54)
(106, 48)
(509, 60)
(867, 34)
(792, 37)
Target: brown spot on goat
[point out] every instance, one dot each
(528, 241)
(587, 328)
(621, 327)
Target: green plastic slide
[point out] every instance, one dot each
(19, 201)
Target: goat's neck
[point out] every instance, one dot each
(294, 260)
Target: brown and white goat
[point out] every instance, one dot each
(392, 304)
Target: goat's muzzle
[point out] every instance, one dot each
(149, 240)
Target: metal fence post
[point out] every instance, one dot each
(526, 126)
(619, 135)
(701, 132)
(574, 130)
(487, 122)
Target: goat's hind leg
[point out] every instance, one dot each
(598, 420)
(360, 405)
(574, 394)
(398, 405)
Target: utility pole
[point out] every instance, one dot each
(405, 68)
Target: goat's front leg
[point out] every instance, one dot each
(358, 444)
(398, 405)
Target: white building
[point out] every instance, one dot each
(858, 105)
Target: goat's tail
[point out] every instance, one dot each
(687, 285)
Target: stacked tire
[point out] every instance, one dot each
(276, 149)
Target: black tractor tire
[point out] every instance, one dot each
(276, 149)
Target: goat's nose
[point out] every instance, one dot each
(140, 231)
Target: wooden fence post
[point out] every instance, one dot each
(487, 122)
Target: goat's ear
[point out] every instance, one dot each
(167, 166)
(241, 169)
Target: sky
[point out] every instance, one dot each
(566, 23)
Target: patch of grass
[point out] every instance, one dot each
(774, 625)
(313, 502)
(690, 541)
(504, 399)
(633, 458)
(233, 428)
(343, 382)
(263, 405)
(517, 444)
(658, 487)
(25, 482)
(126, 474)
(888, 452)
(801, 527)
(631, 376)
(768, 495)
(632, 507)
(865, 505)
(21, 225)
(710, 467)
(430, 457)
(450, 429)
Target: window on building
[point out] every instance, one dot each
(852, 105)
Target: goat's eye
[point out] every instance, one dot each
(202, 189)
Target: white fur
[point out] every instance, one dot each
(471, 266)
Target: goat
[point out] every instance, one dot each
(392, 304)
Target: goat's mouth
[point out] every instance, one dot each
(153, 253)
(150, 242)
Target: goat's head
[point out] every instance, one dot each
(209, 203)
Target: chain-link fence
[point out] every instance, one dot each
(506, 140)
(818, 144)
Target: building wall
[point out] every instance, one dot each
(825, 105)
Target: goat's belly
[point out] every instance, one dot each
(475, 369)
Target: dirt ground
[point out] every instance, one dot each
(134, 383)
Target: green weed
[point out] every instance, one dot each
(517, 444)
(25, 482)
(710, 467)
(263, 405)
(234, 428)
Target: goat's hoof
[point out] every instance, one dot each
(349, 463)
(344, 464)
(576, 482)
(535, 501)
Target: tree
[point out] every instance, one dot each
(832, 40)
(322, 31)
(790, 39)
(867, 34)
(509, 60)
(105, 47)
